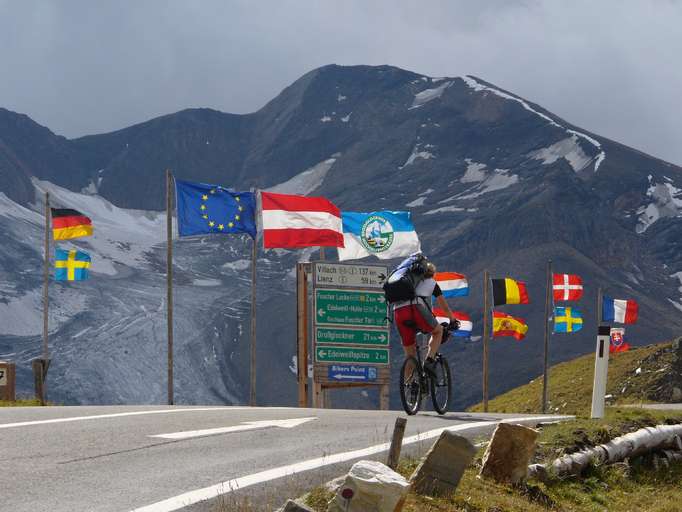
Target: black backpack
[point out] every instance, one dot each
(402, 282)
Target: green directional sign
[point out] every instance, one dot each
(336, 354)
(350, 336)
(350, 307)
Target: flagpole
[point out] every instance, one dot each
(600, 298)
(46, 304)
(486, 334)
(254, 259)
(169, 281)
(545, 376)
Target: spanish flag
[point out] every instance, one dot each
(507, 325)
(508, 291)
(67, 223)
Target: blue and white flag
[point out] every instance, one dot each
(383, 234)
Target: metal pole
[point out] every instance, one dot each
(545, 370)
(169, 278)
(486, 334)
(254, 249)
(322, 255)
(46, 277)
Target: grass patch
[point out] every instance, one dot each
(570, 383)
(32, 402)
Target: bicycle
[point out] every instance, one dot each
(414, 387)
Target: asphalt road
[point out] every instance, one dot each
(104, 458)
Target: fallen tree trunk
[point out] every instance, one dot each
(630, 445)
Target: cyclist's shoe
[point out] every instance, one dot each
(430, 366)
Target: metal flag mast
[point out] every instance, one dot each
(254, 260)
(169, 279)
(486, 335)
(548, 317)
(40, 365)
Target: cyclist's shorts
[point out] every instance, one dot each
(413, 318)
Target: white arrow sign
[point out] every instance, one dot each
(321, 312)
(340, 376)
(322, 353)
(247, 425)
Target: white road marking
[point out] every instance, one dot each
(123, 414)
(207, 493)
(247, 425)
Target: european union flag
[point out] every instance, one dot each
(207, 209)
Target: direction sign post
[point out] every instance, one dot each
(350, 328)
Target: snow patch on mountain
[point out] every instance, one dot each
(421, 198)
(417, 153)
(427, 95)
(238, 265)
(340, 98)
(677, 303)
(475, 172)
(499, 179)
(568, 149)
(451, 209)
(307, 181)
(346, 118)
(325, 119)
(476, 86)
(666, 201)
(22, 315)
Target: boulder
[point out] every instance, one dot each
(443, 467)
(294, 506)
(509, 452)
(370, 486)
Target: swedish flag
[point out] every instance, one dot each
(71, 265)
(207, 209)
(567, 319)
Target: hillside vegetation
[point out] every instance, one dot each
(643, 374)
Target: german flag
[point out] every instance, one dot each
(507, 325)
(508, 291)
(67, 223)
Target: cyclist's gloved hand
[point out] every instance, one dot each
(455, 324)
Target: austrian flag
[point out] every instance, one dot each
(567, 287)
(290, 222)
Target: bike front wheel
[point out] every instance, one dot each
(410, 386)
(441, 385)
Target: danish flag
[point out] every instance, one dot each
(567, 287)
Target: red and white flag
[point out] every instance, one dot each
(297, 221)
(567, 287)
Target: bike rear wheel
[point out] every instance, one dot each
(410, 385)
(441, 385)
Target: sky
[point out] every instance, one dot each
(613, 67)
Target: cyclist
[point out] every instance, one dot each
(415, 315)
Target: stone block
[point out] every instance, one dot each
(370, 486)
(442, 468)
(293, 506)
(509, 452)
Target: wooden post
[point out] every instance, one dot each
(396, 443)
(486, 335)
(302, 333)
(384, 397)
(545, 376)
(322, 254)
(169, 280)
(254, 259)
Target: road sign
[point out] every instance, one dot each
(336, 354)
(350, 307)
(352, 373)
(354, 276)
(351, 336)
